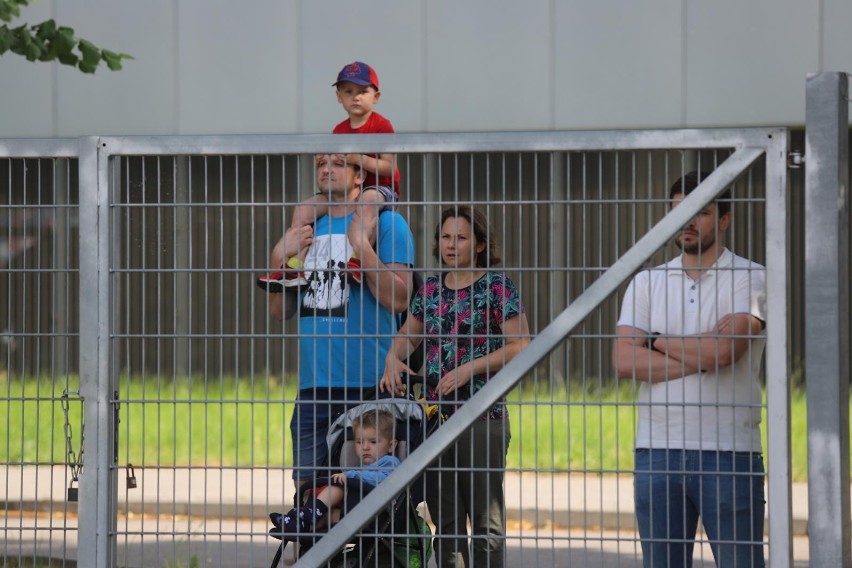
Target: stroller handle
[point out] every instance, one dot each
(411, 380)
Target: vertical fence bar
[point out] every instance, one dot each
(98, 498)
(827, 317)
(778, 354)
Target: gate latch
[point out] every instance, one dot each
(795, 159)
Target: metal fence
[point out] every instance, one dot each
(186, 385)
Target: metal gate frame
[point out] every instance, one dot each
(98, 372)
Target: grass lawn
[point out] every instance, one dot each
(245, 423)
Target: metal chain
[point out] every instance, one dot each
(75, 460)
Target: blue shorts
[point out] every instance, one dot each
(315, 411)
(388, 193)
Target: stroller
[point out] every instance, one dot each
(375, 545)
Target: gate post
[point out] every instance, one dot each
(827, 316)
(98, 483)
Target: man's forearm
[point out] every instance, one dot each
(642, 364)
(390, 285)
(283, 306)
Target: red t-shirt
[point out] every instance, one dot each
(376, 124)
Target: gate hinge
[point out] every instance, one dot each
(795, 159)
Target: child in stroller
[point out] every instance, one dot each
(375, 443)
(380, 433)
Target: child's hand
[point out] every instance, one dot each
(339, 478)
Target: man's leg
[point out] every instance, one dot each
(732, 507)
(667, 521)
(308, 427)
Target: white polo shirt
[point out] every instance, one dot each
(708, 410)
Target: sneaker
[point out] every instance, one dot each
(354, 271)
(276, 282)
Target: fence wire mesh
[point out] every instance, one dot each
(204, 382)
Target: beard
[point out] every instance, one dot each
(702, 245)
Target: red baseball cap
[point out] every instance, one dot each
(359, 73)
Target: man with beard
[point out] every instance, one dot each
(344, 331)
(691, 334)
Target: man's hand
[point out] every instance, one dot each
(360, 234)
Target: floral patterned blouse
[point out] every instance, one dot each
(461, 325)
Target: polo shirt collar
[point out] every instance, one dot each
(675, 265)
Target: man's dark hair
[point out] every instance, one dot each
(690, 181)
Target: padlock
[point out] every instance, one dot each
(73, 493)
(131, 477)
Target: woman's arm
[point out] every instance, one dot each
(404, 344)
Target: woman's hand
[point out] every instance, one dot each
(339, 478)
(455, 379)
(391, 379)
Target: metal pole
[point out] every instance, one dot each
(98, 481)
(780, 489)
(827, 317)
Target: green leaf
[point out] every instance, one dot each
(64, 40)
(45, 30)
(91, 54)
(32, 51)
(113, 60)
(87, 67)
(20, 40)
(68, 58)
(6, 39)
(9, 10)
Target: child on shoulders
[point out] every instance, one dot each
(357, 91)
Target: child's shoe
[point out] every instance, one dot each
(291, 275)
(297, 520)
(276, 282)
(354, 273)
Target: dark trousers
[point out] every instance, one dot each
(466, 484)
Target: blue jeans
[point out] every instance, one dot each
(673, 488)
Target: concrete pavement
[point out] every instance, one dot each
(218, 517)
(532, 499)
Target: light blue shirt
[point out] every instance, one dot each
(344, 332)
(375, 473)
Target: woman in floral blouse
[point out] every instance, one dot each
(474, 323)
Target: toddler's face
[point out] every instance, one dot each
(371, 445)
(357, 100)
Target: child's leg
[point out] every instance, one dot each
(306, 213)
(328, 499)
(365, 220)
